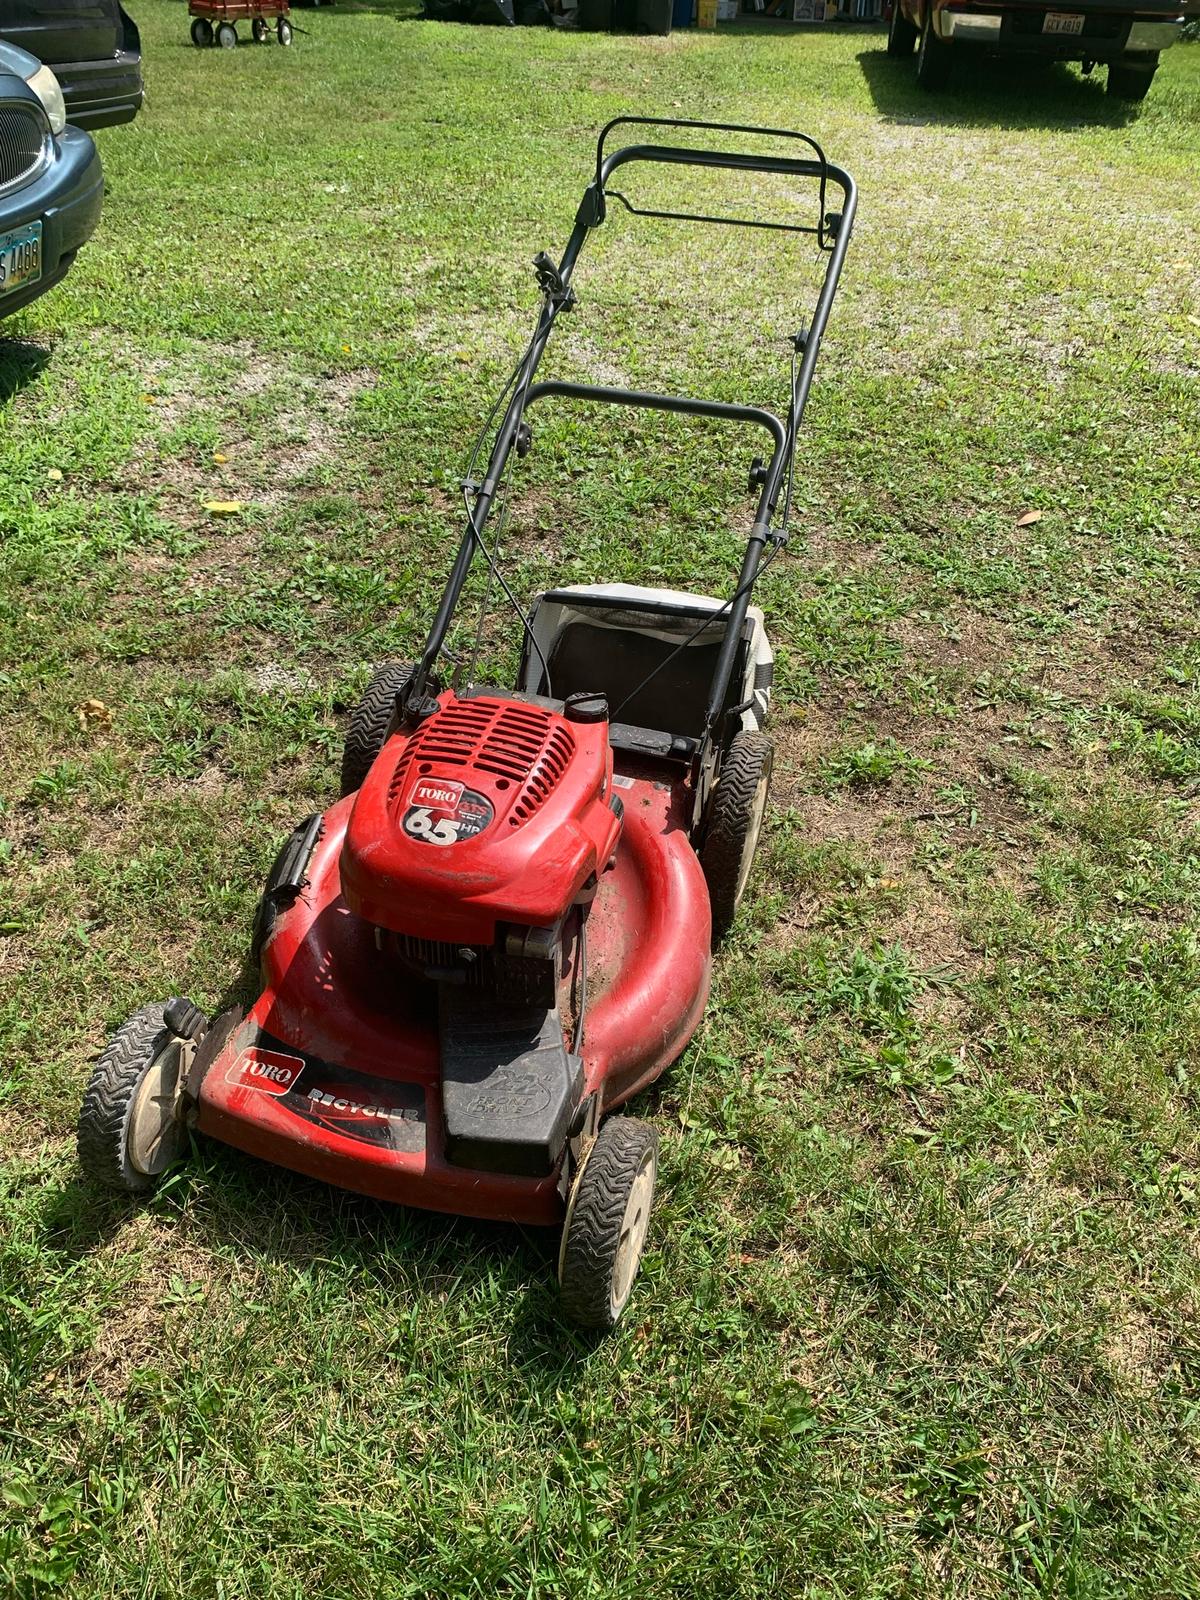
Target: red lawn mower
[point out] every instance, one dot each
(503, 928)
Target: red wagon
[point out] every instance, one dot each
(215, 21)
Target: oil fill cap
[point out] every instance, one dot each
(585, 707)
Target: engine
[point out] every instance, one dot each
(480, 829)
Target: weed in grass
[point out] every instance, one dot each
(870, 764)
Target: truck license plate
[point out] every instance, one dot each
(20, 257)
(1062, 22)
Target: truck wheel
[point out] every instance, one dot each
(129, 1128)
(607, 1218)
(1131, 77)
(372, 723)
(735, 820)
(933, 55)
(902, 35)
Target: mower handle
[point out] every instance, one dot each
(661, 402)
(593, 209)
(832, 232)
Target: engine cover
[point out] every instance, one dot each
(491, 811)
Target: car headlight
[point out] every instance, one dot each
(48, 90)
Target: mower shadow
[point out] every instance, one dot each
(995, 93)
(21, 361)
(269, 1215)
(80, 1219)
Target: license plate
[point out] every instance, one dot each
(20, 257)
(1062, 22)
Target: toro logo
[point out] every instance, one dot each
(441, 811)
(441, 794)
(268, 1070)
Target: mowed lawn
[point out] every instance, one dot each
(919, 1312)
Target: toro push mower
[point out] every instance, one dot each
(503, 928)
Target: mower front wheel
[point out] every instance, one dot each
(735, 821)
(607, 1218)
(130, 1131)
(372, 723)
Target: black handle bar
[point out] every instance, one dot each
(593, 209)
(832, 232)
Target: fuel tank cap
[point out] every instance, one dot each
(583, 706)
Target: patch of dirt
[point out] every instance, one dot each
(1135, 1350)
(266, 461)
(159, 1309)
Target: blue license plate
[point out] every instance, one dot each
(20, 257)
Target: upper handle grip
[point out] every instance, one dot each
(809, 165)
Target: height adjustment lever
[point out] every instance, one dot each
(550, 282)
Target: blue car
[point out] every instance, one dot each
(51, 185)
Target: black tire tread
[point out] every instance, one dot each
(595, 1226)
(732, 806)
(902, 35)
(369, 725)
(933, 55)
(1131, 80)
(104, 1115)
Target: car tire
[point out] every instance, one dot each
(735, 819)
(902, 34)
(933, 55)
(1130, 78)
(607, 1218)
(202, 32)
(227, 36)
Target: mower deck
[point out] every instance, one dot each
(352, 1093)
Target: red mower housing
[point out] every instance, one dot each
(492, 813)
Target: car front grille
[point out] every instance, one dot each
(22, 142)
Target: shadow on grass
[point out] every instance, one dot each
(992, 91)
(271, 1215)
(20, 363)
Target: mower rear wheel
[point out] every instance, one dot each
(735, 821)
(607, 1218)
(129, 1128)
(371, 724)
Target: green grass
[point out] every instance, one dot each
(919, 1311)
